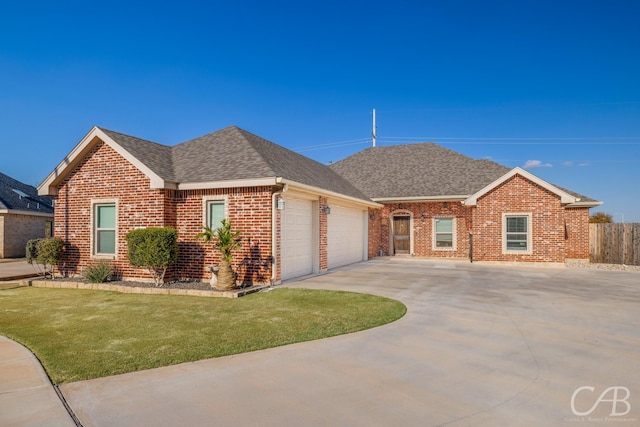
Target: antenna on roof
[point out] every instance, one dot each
(373, 131)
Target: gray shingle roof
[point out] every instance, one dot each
(420, 170)
(25, 199)
(417, 170)
(156, 157)
(232, 154)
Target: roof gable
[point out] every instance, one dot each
(566, 197)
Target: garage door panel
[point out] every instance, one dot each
(297, 239)
(345, 236)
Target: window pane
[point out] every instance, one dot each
(444, 225)
(444, 240)
(516, 245)
(216, 214)
(517, 224)
(106, 216)
(106, 242)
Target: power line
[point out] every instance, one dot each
(513, 138)
(333, 145)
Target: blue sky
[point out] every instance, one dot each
(554, 86)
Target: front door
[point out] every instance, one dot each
(401, 235)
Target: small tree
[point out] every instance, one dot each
(600, 218)
(226, 241)
(45, 253)
(153, 248)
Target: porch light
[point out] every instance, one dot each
(326, 210)
(422, 217)
(280, 204)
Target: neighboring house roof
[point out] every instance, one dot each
(427, 171)
(229, 157)
(22, 198)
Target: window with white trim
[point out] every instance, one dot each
(516, 236)
(215, 212)
(444, 231)
(104, 229)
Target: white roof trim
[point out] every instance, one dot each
(584, 204)
(319, 191)
(24, 212)
(446, 198)
(254, 182)
(565, 198)
(48, 187)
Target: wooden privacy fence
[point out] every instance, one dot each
(615, 243)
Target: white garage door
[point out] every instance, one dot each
(345, 236)
(297, 238)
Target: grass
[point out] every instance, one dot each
(83, 334)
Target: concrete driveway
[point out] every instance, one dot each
(480, 346)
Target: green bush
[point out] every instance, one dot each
(50, 250)
(32, 250)
(98, 273)
(153, 248)
(45, 252)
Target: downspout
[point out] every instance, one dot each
(274, 217)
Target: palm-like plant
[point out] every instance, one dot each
(226, 241)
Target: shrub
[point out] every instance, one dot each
(50, 251)
(153, 248)
(98, 273)
(45, 252)
(32, 250)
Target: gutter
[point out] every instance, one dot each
(446, 198)
(274, 213)
(328, 193)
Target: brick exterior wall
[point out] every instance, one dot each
(577, 243)
(548, 218)
(249, 211)
(558, 233)
(380, 228)
(105, 175)
(16, 230)
(373, 229)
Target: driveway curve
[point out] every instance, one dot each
(480, 345)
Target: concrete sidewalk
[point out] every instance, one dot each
(16, 269)
(27, 397)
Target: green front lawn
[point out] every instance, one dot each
(81, 334)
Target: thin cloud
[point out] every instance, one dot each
(584, 164)
(533, 164)
(567, 164)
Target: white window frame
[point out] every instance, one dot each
(205, 209)
(94, 228)
(454, 244)
(529, 249)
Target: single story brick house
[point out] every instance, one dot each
(292, 211)
(299, 217)
(439, 203)
(24, 215)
